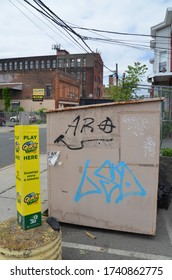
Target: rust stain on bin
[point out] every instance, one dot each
(105, 151)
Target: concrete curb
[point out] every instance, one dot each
(7, 167)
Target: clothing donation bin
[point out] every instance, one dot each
(103, 163)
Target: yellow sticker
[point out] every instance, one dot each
(27, 163)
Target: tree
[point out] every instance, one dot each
(129, 82)
(7, 98)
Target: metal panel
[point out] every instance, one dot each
(107, 173)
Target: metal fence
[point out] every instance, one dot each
(13, 118)
(166, 114)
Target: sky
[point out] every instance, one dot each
(26, 32)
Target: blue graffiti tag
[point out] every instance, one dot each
(119, 178)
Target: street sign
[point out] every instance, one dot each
(38, 94)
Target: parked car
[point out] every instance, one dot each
(32, 118)
(2, 119)
(14, 118)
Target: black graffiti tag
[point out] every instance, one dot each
(75, 125)
(81, 146)
(87, 124)
(106, 126)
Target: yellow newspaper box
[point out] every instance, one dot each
(27, 176)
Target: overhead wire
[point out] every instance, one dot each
(43, 23)
(40, 20)
(30, 19)
(51, 16)
(121, 33)
(97, 31)
(60, 22)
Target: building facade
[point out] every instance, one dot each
(161, 43)
(161, 77)
(52, 81)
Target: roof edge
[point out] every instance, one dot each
(167, 21)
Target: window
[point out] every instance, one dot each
(42, 64)
(31, 64)
(15, 65)
(83, 76)
(37, 64)
(10, 66)
(67, 62)
(83, 94)
(78, 75)
(98, 92)
(20, 65)
(60, 63)
(26, 65)
(48, 90)
(84, 62)
(0, 66)
(48, 64)
(72, 62)
(78, 62)
(54, 63)
(163, 61)
(5, 66)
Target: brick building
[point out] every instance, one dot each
(41, 89)
(52, 81)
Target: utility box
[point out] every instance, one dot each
(27, 167)
(103, 164)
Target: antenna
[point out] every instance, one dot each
(56, 47)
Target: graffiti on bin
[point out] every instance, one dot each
(86, 126)
(136, 125)
(149, 146)
(120, 180)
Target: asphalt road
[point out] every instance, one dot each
(7, 146)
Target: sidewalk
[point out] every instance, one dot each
(8, 191)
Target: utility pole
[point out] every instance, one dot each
(113, 78)
(116, 73)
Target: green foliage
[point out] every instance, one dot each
(166, 124)
(21, 109)
(130, 81)
(38, 121)
(166, 129)
(166, 152)
(7, 98)
(42, 110)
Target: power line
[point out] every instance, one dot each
(42, 22)
(53, 17)
(30, 19)
(121, 33)
(49, 13)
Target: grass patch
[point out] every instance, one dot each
(166, 152)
